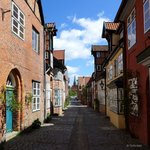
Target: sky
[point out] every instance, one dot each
(79, 24)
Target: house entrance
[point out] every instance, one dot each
(10, 88)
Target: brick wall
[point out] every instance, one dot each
(17, 53)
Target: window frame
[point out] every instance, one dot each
(98, 67)
(148, 11)
(17, 20)
(131, 20)
(35, 40)
(36, 96)
(58, 98)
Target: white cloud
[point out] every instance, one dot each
(72, 70)
(77, 41)
(63, 25)
(90, 63)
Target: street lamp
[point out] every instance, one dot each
(102, 85)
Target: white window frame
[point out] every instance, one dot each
(36, 96)
(51, 60)
(131, 27)
(48, 94)
(35, 40)
(58, 97)
(18, 22)
(146, 12)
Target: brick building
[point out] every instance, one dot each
(59, 81)
(21, 62)
(99, 53)
(82, 89)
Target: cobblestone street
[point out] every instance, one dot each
(81, 128)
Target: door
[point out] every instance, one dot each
(9, 94)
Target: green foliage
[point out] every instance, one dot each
(72, 93)
(28, 98)
(67, 102)
(36, 124)
(48, 118)
(13, 103)
(2, 95)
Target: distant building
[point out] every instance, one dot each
(82, 89)
(74, 87)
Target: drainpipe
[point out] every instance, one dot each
(44, 74)
(105, 93)
(126, 101)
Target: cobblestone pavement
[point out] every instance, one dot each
(80, 128)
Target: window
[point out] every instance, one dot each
(115, 67)
(146, 15)
(18, 21)
(110, 72)
(98, 67)
(36, 96)
(35, 40)
(131, 29)
(51, 59)
(48, 94)
(120, 63)
(46, 55)
(58, 97)
(98, 54)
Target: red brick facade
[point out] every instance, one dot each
(18, 57)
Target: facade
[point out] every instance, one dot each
(59, 81)
(134, 14)
(21, 49)
(114, 73)
(82, 89)
(99, 52)
(50, 31)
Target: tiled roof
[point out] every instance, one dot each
(59, 54)
(98, 48)
(111, 26)
(83, 80)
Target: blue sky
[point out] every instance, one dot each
(79, 24)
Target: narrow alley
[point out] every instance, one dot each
(80, 128)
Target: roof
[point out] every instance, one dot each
(58, 64)
(59, 54)
(111, 26)
(121, 7)
(83, 80)
(97, 48)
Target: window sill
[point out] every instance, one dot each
(35, 110)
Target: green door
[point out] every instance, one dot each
(9, 94)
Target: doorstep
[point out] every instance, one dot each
(11, 135)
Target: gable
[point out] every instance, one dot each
(36, 7)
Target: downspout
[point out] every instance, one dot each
(126, 100)
(105, 91)
(44, 75)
